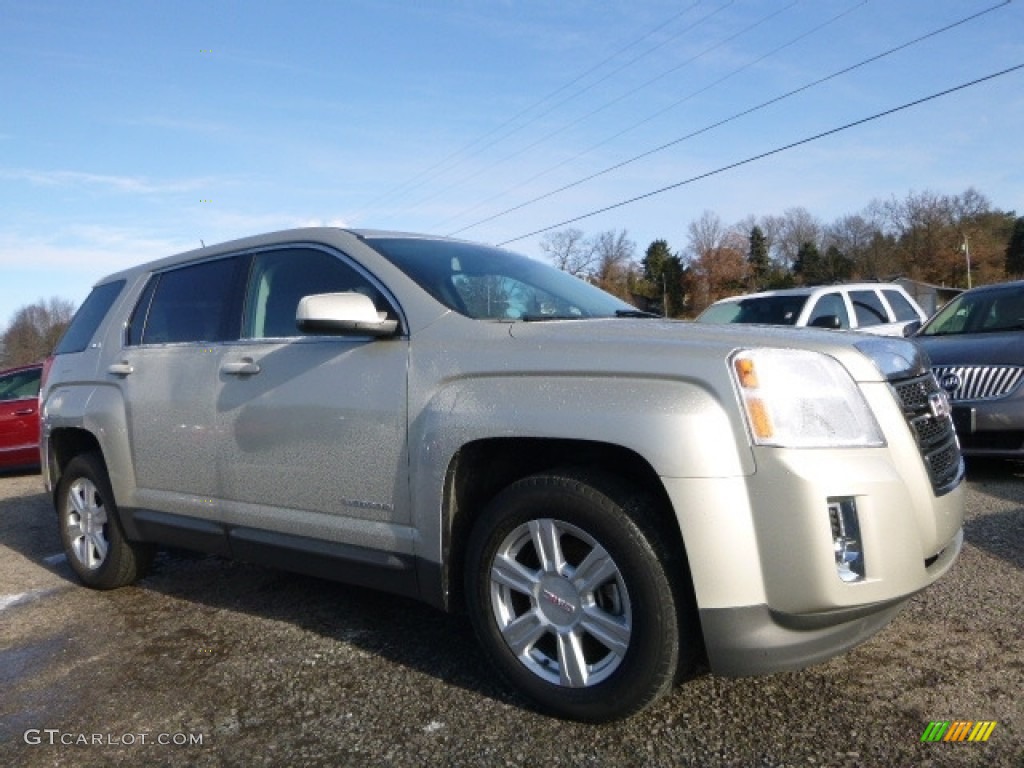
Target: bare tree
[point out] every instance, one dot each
(35, 330)
(569, 250)
(797, 228)
(719, 260)
(614, 262)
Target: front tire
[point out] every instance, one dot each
(571, 592)
(90, 529)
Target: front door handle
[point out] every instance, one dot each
(123, 368)
(244, 367)
(26, 412)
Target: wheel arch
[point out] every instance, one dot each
(65, 444)
(482, 468)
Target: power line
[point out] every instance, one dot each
(733, 117)
(424, 175)
(629, 94)
(769, 153)
(636, 125)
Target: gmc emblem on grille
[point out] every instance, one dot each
(938, 404)
(950, 382)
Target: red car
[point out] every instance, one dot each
(19, 417)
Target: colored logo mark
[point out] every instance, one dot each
(958, 730)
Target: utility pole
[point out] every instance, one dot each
(966, 248)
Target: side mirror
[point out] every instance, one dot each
(342, 314)
(827, 321)
(911, 328)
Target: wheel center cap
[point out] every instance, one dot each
(559, 601)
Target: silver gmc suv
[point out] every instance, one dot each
(613, 498)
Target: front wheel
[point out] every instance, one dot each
(94, 543)
(570, 595)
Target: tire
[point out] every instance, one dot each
(570, 590)
(90, 530)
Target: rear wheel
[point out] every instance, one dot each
(570, 594)
(94, 542)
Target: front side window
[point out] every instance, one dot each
(868, 307)
(279, 279)
(189, 304)
(830, 304)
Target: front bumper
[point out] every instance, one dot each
(991, 428)
(761, 552)
(755, 640)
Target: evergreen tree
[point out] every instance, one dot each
(663, 278)
(757, 258)
(809, 265)
(1015, 249)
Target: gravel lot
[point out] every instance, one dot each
(249, 666)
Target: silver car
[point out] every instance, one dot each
(612, 497)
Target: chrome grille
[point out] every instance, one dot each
(932, 428)
(979, 382)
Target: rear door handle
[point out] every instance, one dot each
(27, 412)
(123, 368)
(244, 367)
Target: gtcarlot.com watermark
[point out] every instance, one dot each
(57, 737)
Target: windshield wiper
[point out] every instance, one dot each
(539, 318)
(634, 313)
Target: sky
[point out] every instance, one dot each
(136, 129)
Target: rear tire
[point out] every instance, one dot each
(571, 590)
(90, 529)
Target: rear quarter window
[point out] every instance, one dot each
(868, 307)
(88, 318)
(902, 308)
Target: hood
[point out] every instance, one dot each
(1004, 348)
(654, 345)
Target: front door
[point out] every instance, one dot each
(312, 429)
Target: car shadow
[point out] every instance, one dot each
(401, 630)
(1000, 533)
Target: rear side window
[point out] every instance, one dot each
(88, 318)
(902, 308)
(868, 307)
(194, 303)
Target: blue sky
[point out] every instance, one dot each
(133, 130)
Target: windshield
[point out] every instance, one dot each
(770, 310)
(488, 283)
(986, 311)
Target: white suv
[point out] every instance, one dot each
(880, 308)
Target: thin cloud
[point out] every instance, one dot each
(131, 184)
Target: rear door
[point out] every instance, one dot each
(169, 374)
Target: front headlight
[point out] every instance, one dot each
(801, 399)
